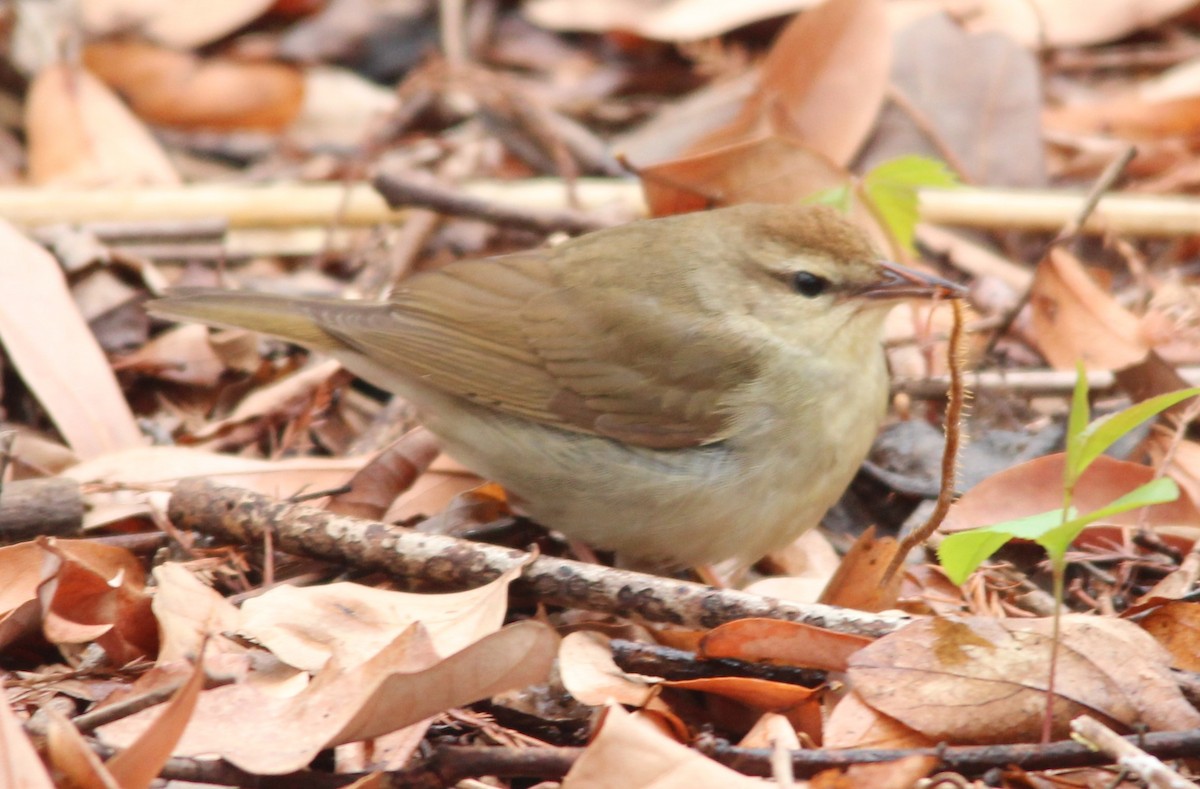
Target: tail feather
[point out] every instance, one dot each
(280, 316)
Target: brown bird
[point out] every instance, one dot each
(681, 390)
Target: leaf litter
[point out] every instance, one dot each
(270, 659)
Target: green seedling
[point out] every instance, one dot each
(960, 554)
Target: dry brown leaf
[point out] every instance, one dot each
(927, 590)
(1070, 23)
(80, 134)
(810, 556)
(977, 680)
(173, 88)
(977, 95)
(1075, 319)
(69, 755)
(438, 491)
(1129, 117)
(589, 673)
(190, 615)
(801, 705)
(181, 24)
(390, 751)
(1039, 482)
(1184, 466)
(1176, 625)
(376, 485)
(397, 687)
(56, 354)
(96, 593)
(771, 169)
(631, 753)
(166, 465)
(855, 724)
(305, 627)
(822, 82)
(182, 355)
(77, 591)
(769, 731)
(779, 642)
(858, 582)
(136, 766)
(666, 20)
(286, 395)
(162, 466)
(21, 768)
(340, 109)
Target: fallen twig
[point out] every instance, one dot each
(430, 561)
(1125, 753)
(412, 188)
(1027, 383)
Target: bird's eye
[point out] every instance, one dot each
(808, 284)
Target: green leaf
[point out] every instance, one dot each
(1077, 420)
(891, 189)
(1091, 442)
(1056, 540)
(836, 196)
(960, 553)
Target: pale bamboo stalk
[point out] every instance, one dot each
(282, 205)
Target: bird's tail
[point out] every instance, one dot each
(285, 317)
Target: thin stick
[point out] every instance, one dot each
(1068, 233)
(1149, 768)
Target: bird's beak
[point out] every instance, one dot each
(901, 282)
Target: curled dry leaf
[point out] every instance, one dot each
(96, 593)
(629, 753)
(858, 582)
(56, 354)
(1075, 319)
(801, 705)
(173, 88)
(1040, 484)
(401, 685)
(977, 681)
(80, 134)
(305, 627)
(589, 673)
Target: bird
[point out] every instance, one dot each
(681, 390)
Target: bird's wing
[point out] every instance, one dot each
(506, 333)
